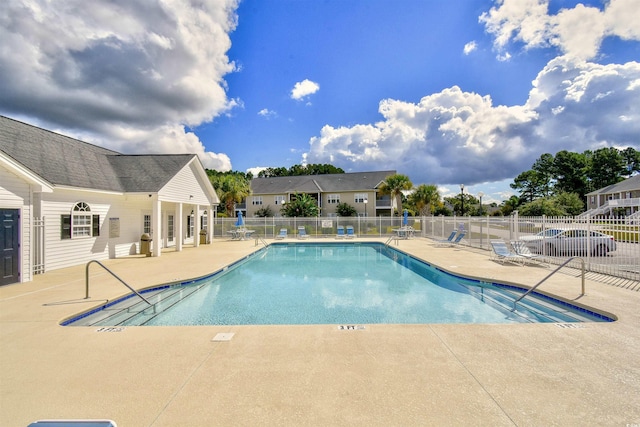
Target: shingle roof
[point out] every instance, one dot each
(65, 161)
(629, 184)
(358, 181)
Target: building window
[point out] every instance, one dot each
(360, 198)
(170, 228)
(190, 225)
(279, 200)
(333, 199)
(203, 221)
(146, 224)
(256, 200)
(80, 223)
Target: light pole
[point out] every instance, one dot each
(461, 199)
(480, 194)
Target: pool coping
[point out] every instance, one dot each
(524, 374)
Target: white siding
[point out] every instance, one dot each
(68, 252)
(16, 194)
(183, 185)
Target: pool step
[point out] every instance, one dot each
(530, 309)
(122, 312)
(168, 300)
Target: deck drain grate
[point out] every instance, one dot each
(223, 336)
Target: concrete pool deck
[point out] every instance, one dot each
(382, 375)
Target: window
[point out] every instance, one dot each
(256, 200)
(360, 198)
(203, 221)
(80, 223)
(170, 228)
(190, 225)
(333, 199)
(146, 224)
(279, 200)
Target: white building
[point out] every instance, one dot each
(64, 202)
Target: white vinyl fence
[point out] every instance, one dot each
(622, 262)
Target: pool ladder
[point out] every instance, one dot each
(114, 275)
(551, 274)
(391, 239)
(260, 239)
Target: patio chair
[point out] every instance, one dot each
(350, 233)
(501, 253)
(282, 234)
(302, 233)
(340, 234)
(448, 241)
(521, 248)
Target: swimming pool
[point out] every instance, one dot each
(331, 283)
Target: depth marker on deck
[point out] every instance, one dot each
(350, 327)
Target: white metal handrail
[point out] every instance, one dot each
(551, 274)
(114, 275)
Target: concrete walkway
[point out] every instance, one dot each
(383, 375)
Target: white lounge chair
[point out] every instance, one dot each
(501, 253)
(521, 248)
(282, 234)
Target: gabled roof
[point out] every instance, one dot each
(65, 161)
(629, 184)
(330, 183)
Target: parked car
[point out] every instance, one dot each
(555, 241)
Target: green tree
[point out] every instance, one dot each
(231, 189)
(544, 174)
(570, 173)
(345, 209)
(469, 202)
(394, 185)
(541, 206)
(570, 203)
(298, 170)
(531, 184)
(264, 212)
(301, 205)
(510, 205)
(424, 198)
(632, 160)
(606, 166)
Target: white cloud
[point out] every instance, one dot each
(454, 136)
(266, 113)
(135, 73)
(303, 89)
(256, 170)
(577, 32)
(470, 47)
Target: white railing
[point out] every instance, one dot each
(38, 246)
(624, 261)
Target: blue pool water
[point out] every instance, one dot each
(346, 283)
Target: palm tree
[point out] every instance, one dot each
(424, 197)
(394, 185)
(301, 204)
(231, 189)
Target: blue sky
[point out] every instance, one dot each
(462, 91)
